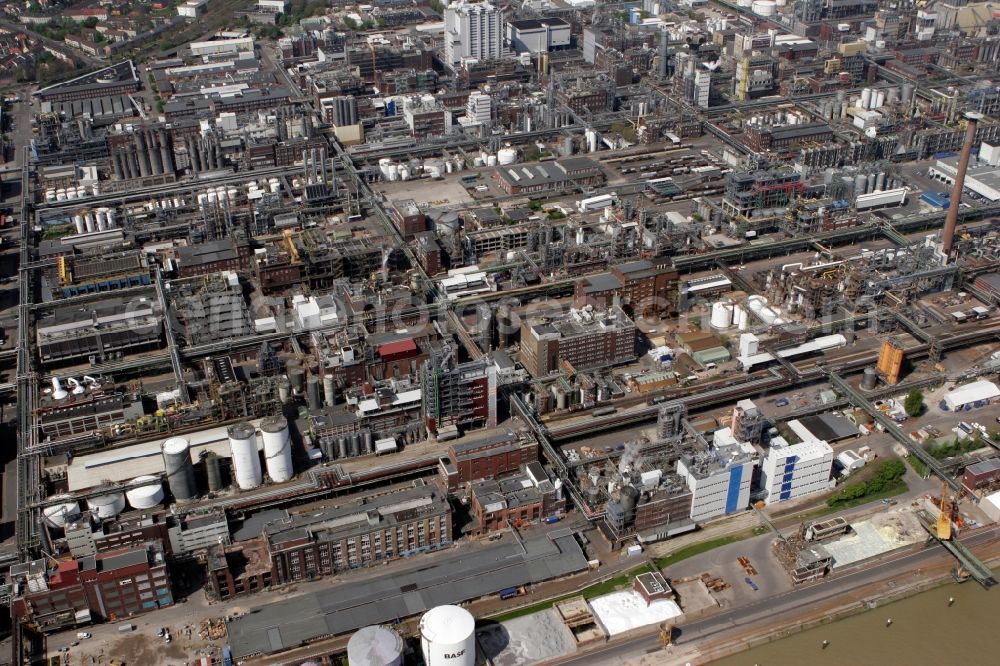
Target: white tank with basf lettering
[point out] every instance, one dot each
(448, 637)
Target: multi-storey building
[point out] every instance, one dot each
(719, 478)
(779, 137)
(360, 532)
(538, 35)
(643, 288)
(458, 395)
(473, 30)
(525, 497)
(583, 339)
(99, 329)
(105, 587)
(487, 457)
(794, 470)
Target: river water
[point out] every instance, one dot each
(924, 630)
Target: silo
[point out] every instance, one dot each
(180, 470)
(341, 447)
(297, 378)
(212, 472)
(448, 637)
(79, 224)
(880, 181)
(106, 506)
(147, 495)
(328, 447)
(871, 183)
(312, 392)
(66, 511)
(277, 448)
(354, 444)
(869, 380)
(866, 98)
(375, 646)
(284, 390)
(860, 183)
(722, 314)
(329, 390)
(246, 461)
(367, 442)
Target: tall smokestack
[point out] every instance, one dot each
(951, 220)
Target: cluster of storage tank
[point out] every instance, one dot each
(88, 221)
(255, 190)
(277, 452)
(866, 183)
(348, 446)
(434, 167)
(871, 98)
(72, 193)
(218, 196)
(166, 203)
(144, 492)
(727, 313)
(778, 118)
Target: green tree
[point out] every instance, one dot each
(90, 22)
(914, 402)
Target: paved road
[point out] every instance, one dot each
(769, 608)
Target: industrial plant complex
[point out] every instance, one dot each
(457, 332)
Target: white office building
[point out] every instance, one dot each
(795, 470)
(719, 479)
(472, 30)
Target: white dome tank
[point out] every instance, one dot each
(66, 511)
(722, 314)
(277, 448)
(763, 7)
(107, 506)
(375, 646)
(448, 636)
(506, 156)
(145, 496)
(246, 461)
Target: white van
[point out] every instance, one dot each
(84, 634)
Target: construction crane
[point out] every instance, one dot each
(290, 242)
(943, 527)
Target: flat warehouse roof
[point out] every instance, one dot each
(449, 580)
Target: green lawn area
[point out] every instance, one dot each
(699, 548)
(595, 590)
(918, 465)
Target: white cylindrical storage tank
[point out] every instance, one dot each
(202, 199)
(739, 317)
(246, 461)
(375, 646)
(179, 468)
(147, 495)
(763, 7)
(61, 194)
(506, 156)
(50, 195)
(111, 218)
(71, 193)
(781, 3)
(102, 221)
(95, 189)
(107, 506)
(880, 181)
(277, 448)
(491, 160)
(880, 99)
(81, 191)
(404, 173)
(393, 172)
(866, 98)
(212, 197)
(448, 637)
(744, 3)
(79, 224)
(231, 195)
(66, 511)
(449, 166)
(477, 162)
(722, 315)
(89, 222)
